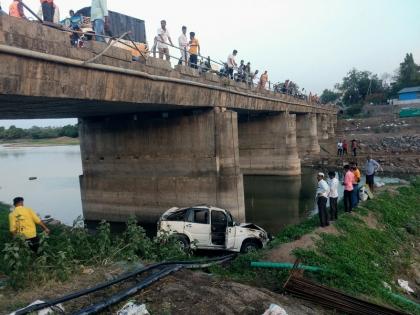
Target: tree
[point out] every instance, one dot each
(407, 75)
(329, 96)
(357, 85)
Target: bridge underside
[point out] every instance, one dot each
(30, 107)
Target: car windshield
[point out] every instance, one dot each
(177, 216)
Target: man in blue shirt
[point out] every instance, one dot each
(99, 18)
(371, 167)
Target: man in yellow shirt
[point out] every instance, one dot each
(23, 221)
(194, 51)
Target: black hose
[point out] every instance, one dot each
(122, 295)
(123, 277)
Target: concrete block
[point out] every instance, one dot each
(113, 52)
(188, 71)
(212, 77)
(158, 63)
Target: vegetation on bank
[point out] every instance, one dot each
(62, 141)
(364, 87)
(13, 132)
(360, 258)
(68, 249)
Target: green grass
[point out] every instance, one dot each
(359, 259)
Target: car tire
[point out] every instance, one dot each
(249, 246)
(183, 242)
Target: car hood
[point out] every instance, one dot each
(251, 226)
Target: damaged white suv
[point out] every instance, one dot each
(207, 227)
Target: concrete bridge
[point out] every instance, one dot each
(153, 137)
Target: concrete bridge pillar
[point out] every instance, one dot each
(267, 145)
(307, 135)
(145, 164)
(323, 126)
(331, 126)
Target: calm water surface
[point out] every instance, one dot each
(271, 201)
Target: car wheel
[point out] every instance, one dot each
(249, 246)
(182, 241)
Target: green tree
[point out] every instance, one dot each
(329, 96)
(407, 75)
(358, 85)
(69, 131)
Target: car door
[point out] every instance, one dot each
(230, 232)
(197, 226)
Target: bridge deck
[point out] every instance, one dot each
(42, 76)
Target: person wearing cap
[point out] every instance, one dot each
(322, 193)
(23, 221)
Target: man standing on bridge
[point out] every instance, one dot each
(99, 18)
(47, 7)
(162, 41)
(231, 63)
(23, 221)
(194, 50)
(183, 46)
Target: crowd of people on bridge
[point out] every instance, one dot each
(327, 189)
(188, 46)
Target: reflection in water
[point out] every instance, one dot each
(274, 202)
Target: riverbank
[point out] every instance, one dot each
(61, 141)
(379, 243)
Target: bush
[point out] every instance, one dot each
(66, 249)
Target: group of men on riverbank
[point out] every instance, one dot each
(328, 190)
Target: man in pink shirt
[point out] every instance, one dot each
(348, 188)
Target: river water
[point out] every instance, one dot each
(271, 201)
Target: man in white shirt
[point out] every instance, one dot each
(333, 195)
(339, 148)
(322, 193)
(163, 39)
(183, 45)
(99, 18)
(231, 63)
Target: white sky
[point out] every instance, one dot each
(312, 42)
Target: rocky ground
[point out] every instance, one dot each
(393, 142)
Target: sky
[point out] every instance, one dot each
(312, 42)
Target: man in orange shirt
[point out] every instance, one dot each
(48, 10)
(357, 176)
(194, 51)
(16, 9)
(263, 80)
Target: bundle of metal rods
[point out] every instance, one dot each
(333, 299)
